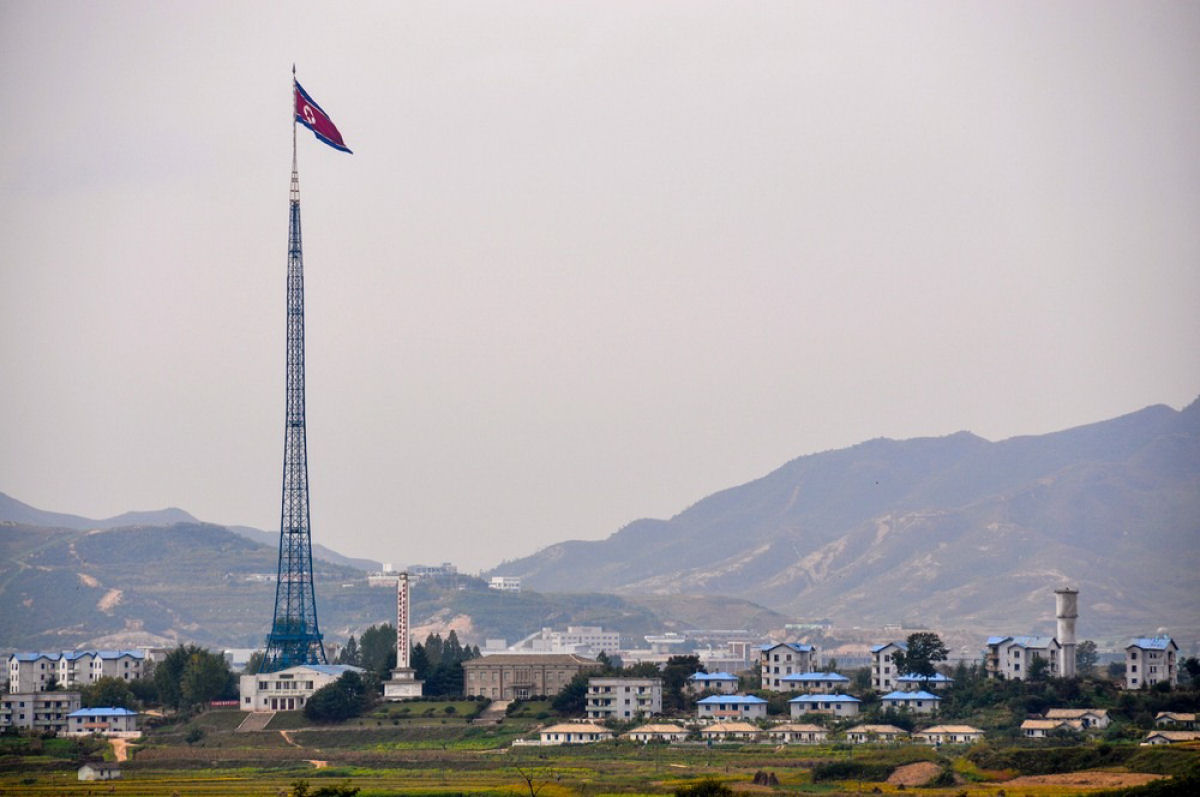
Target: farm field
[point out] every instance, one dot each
(437, 754)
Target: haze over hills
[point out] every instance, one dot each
(15, 511)
(951, 531)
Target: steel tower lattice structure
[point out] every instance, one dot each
(295, 637)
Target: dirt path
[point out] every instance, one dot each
(317, 763)
(287, 737)
(120, 749)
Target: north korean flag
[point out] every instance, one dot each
(309, 114)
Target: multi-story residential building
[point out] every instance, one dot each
(731, 707)
(588, 641)
(883, 665)
(521, 676)
(37, 711)
(827, 682)
(720, 682)
(505, 583)
(288, 689)
(1150, 661)
(837, 705)
(785, 658)
(919, 702)
(1011, 657)
(34, 671)
(623, 698)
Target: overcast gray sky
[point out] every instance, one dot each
(590, 262)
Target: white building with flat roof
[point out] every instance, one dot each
(288, 689)
(623, 698)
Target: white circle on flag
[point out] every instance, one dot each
(308, 115)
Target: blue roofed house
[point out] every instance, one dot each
(781, 659)
(721, 682)
(33, 671)
(1010, 658)
(731, 707)
(933, 683)
(883, 665)
(288, 689)
(837, 705)
(106, 721)
(826, 682)
(1150, 661)
(920, 702)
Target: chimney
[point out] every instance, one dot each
(1067, 610)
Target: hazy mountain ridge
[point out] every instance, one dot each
(948, 530)
(15, 511)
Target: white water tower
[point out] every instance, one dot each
(1067, 611)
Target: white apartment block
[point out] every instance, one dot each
(1011, 657)
(782, 659)
(34, 671)
(623, 698)
(38, 711)
(1150, 661)
(883, 666)
(505, 583)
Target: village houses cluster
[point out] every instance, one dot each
(42, 691)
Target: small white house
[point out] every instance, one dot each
(797, 733)
(99, 770)
(731, 707)
(1175, 719)
(1088, 718)
(1042, 729)
(837, 705)
(575, 733)
(730, 731)
(1171, 737)
(949, 734)
(664, 732)
(916, 702)
(120, 723)
(861, 734)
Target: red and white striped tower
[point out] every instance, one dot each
(403, 684)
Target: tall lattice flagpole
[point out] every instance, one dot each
(295, 637)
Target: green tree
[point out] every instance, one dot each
(254, 662)
(108, 692)
(573, 697)
(1086, 657)
(167, 675)
(709, 787)
(344, 698)
(925, 649)
(419, 662)
(675, 675)
(377, 649)
(349, 654)
(206, 676)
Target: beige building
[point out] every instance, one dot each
(730, 731)
(1042, 729)
(1175, 719)
(623, 698)
(521, 676)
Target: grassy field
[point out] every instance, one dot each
(444, 754)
